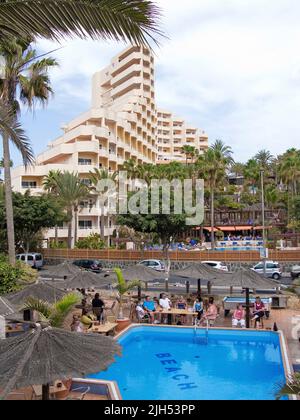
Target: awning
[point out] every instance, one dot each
(227, 228)
(234, 228)
(262, 228)
(210, 229)
(244, 227)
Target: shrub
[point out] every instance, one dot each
(93, 241)
(10, 275)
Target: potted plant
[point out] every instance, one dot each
(123, 287)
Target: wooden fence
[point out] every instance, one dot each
(123, 255)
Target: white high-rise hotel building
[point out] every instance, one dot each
(123, 123)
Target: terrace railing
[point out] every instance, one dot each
(193, 256)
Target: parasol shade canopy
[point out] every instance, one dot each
(42, 356)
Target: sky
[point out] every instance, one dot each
(230, 67)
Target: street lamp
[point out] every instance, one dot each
(262, 172)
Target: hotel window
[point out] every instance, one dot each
(82, 161)
(86, 181)
(85, 224)
(29, 184)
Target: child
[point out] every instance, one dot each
(198, 307)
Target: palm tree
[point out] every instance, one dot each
(252, 174)
(53, 315)
(50, 185)
(213, 165)
(190, 153)
(124, 287)
(132, 170)
(292, 387)
(264, 159)
(25, 79)
(96, 176)
(289, 170)
(71, 191)
(134, 21)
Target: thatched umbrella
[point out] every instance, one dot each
(42, 356)
(6, 308)
(66, 269)
(82, 280)
(142, 273)
(40, 290)
(245, 278)
(198, 271)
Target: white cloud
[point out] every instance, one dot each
(230, 66)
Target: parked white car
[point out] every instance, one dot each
(273, 269)
(34, 260)
(295, 273)
(216, 264)
(155, 264)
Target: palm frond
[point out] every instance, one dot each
(292, 387)
(62, 308)
(12, 127)
(123, 286)
(136, 21)
(43, 308)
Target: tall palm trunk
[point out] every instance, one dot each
(102, 223)
(75, 225)
(70, 222)
(56, 236)
(9, 202)
(212, 217)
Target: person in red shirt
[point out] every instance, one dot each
(258, 312)
(238, 319)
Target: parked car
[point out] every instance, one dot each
(216, 264)
(33, 259)
(273, 269)
(155, 264)
(295, 273)
(91, 265)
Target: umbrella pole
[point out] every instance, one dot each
(199, 288)
(247, 308)
(46, 392)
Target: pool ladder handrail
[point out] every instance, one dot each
(206, 331)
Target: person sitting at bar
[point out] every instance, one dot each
(258, 312)
(98, 307)
(211, 313)
(86, 319)
(149, 307)
(165, 304)
(238, 319)
(76, 325)
(181, 304)
(198, 307)
(141, 314)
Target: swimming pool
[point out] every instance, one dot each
(167, 363)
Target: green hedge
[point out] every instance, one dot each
(10, 275)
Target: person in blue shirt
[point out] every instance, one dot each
(150, 308)
(198, 307)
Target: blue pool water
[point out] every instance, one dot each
(173, 364)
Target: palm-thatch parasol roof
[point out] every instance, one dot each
(6, 308)
(82, 280)
(41, 356)
(66, 269)
(197, 271)
(141, 273)
(41, 290)
(245, 278)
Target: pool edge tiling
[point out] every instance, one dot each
(179, 363)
